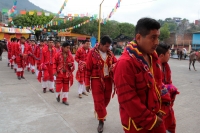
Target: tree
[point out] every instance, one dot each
(164, 32)
(127, 29)
(32, 20)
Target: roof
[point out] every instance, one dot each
(198, 32)
(15, 30)
(73, 35)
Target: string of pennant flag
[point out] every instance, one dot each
(103, 21)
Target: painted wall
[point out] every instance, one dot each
(9, 36)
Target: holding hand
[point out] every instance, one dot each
(88, 88)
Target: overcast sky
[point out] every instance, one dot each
(129, 10)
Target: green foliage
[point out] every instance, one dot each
(32, 20)
(164, 32)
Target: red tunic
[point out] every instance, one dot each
(47, 64)
(38, 55)
(81, 57)
(61, 64)
(31, 51)
(95, 65)
(9, 46)
(138, 88)
(20, 55)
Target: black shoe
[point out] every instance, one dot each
(19, 78)
(23, 77)
(52, 91)
(11, 66)
(100, 127)
(8, 64)
(44, 90)
(58, 98)
(66, 103)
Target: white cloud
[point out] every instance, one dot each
(129, 10)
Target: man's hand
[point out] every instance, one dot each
(88, 89)
(158, 122)
(69, 64)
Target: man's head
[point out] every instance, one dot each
(50, 42)
(86, 44)
(14, 39)
(163, 51)
(22, 40)
(105, 43)
(32, 42)
(41, 42)
(57, 44)
(146, 35)
(45, 41)
(66, 46)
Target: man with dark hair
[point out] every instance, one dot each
(99, 66)
(63, 70)
(38, 58)
(81, 57)
(137, 76)
(46, 67)
(21, 55)
(57, 46)
(14, 43)
(169, 91)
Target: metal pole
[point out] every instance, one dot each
(99, 31)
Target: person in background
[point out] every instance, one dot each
(81, 57)
(169, 91)
(98, 78)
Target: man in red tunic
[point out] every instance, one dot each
(169, 91)
(80, 57)
(137, 76)
(9, 43)
(46, 67)
(63, 70)
(57, 46)
(31, 59)
(28, 63)
(99, 65)
(38, 56)
(14, 43)
(21, 54)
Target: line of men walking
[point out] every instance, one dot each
(142, 76)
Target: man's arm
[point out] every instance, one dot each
(88, 71)
(124, 78)
(77, 56)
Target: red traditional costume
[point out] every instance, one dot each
(38, 57)
(21, 55)
(98, 71)
(46, 68)
(168, 96)
(13, 45)
(31, 59)
(64, 78)
(81, 57)
(9, 52)
(138, 88)
(28, 64)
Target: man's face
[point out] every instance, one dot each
(148, 43)
(22, 40)
(66, 49)
(33, 42)
(45, 42)
(104, 48)
(41, 43)
(57, 44)
(165, 57)
(51, 43)
(86, 45)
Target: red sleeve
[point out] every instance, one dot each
(114, 59)
(55, 64)
(77, 56)
(124, 78)
(88, 71)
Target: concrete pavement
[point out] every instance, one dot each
(24, 108)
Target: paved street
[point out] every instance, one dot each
(24, 108)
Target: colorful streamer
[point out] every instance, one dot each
(12, 11)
